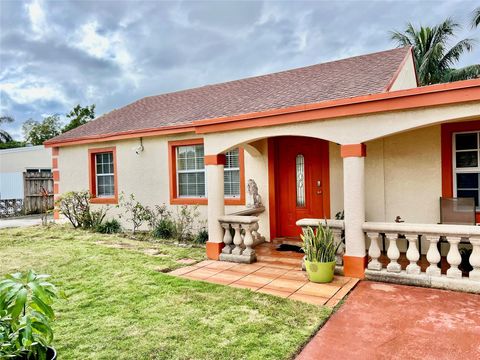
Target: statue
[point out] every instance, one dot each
(254, 199)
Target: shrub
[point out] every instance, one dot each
(202, 236)
(185, 222)
(135, 212)
(156, 215)
(26, 315)
(165, 229)
(109, 227)
(75, 205)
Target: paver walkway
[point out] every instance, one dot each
(384, 321)
(280, 280)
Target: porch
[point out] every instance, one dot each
(408, 168)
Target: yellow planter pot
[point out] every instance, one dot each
(320, 272)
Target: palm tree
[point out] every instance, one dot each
(476, 17)
(434, 60)
(4, 135)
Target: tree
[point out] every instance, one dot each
(476, 17)
(433, 58)
(79, 116)
(36, 133)
(5, 137)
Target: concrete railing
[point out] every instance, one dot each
(337, 227)
(240, 246)
(413, 274)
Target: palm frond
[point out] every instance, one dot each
(476, 17)
(5, 137)
(465, 73)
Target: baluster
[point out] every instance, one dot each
(337, 234)
(374, 252)
(454, 258)
(227, 239)
(475, 259)
(393, 253)
(412, 255)
(248, 241)
(433, 256)
(237, 240)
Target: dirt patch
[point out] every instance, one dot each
(186, 261)
(115, 245)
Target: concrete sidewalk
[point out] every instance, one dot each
(385, 321)
(22, 221)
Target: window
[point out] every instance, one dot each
(466, 169)
(232, 174)
(190, 171)
(300, 177)
(103, 184)
(188, 178)
(105, 174)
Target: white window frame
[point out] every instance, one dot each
(232, 169)
(97, 175)
(465, 170)
(189, 172)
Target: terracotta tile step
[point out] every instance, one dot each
(275, 259)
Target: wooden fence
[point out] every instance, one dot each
(38, 192)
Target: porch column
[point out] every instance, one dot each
(216, 203)
(355, 258)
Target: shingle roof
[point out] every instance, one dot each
(356, 76)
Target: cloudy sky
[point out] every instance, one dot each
(55, 54)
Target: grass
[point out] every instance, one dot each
(121, 306)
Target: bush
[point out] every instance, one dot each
(185, 222)
(165, 229)
(202, 236)
(109, 227)
(156, 215)
(135, 212)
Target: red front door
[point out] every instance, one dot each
(302, 183)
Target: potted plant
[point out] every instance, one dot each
(320, 250)
(25, 317)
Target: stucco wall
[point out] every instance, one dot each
(19, 159)
(146, 175)
(406, 78)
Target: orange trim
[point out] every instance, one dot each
(439, 94)
(213, 250)
(399, 70)
(56, 214)
(55, 188)
(92, 172)
(54, 163)
(56, 175)
(353, 150)
(172, 165)
(354, 266)
(447, 153)
(271, 187)
(55, 151)
(219, 159)
(167, 130)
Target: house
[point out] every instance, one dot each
(356, 135)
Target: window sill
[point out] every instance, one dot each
(204, 201)
(105, 200)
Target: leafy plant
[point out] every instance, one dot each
(156, 215)
(319, 245)
(79, 116)
(37, 132)
(185, 222)
(135, 212)
(202, 236)
(165, 229)
(109, 227)
(75, 205)
(26, 315)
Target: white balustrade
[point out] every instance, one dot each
(245, 237)
(457, 236)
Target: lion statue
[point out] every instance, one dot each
(254, 199)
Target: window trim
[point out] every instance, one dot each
(172, 165)
(93, 176)
(447, 150)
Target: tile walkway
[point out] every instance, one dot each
(282, 280)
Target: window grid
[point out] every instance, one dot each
(466, 166)
(105, 186)
(232, 174)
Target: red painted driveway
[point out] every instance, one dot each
(385, 321)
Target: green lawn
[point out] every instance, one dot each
(121, 306)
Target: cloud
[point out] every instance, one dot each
(55, 55)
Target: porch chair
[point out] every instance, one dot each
(456, 211)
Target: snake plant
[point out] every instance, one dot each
(319, 245)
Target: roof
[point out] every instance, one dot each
(347, 78)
